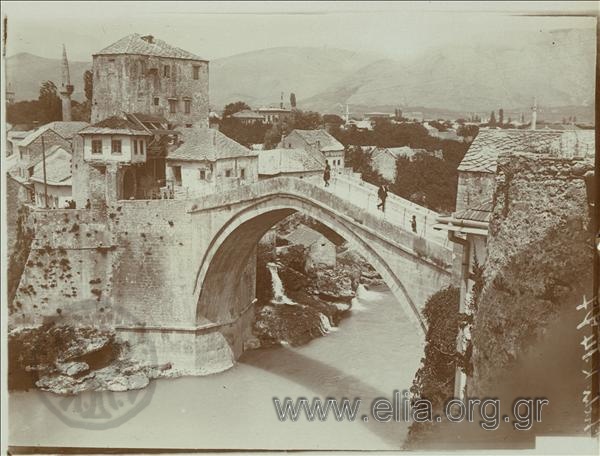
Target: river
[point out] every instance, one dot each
(373, 352)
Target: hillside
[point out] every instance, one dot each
(558, 67)
(26, 72)
(259, 77)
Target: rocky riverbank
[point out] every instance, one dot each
(297, 304)
(69, 360)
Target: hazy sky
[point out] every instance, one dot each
(220, 29)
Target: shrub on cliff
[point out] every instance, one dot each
(434, 380)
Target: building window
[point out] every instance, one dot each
(227, 173)
(167, 71)
(242, 173)
(142, 143)
(187, 106)
(196, 72)
(96, 146)
(116, 146)
(135, 147)
(156, 100)
(203, 174)
(172, 105)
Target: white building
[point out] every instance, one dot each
(57, 179)
(207, 161)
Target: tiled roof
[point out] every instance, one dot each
(404, 151)
(480, 213)
(208, 144)
(275, 161)
(114, 125)
(58, 167)
(305, 236)
(326, 141)
(137, 44)
(247, 114)
(483, 153)
(65, 129)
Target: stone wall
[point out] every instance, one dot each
(130, 83)
(537, 271)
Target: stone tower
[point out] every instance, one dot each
(66, 89)
(142, 74)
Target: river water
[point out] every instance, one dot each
(374, 352)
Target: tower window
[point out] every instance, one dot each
(243, 173)
(196, 72)
(172, 105)
(142, 146)
(96, 146)
(116, 146)
(167, 71)
(187, 106)
(135, 147)
(156, 101)
(203, 174)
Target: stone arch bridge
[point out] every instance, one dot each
(181, 274)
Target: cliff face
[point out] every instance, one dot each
(537, 271)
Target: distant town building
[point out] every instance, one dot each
(57, 182)
(274, 115)
(320, 140)
(384, 159)
(144, 74)
(320, 250)
(248, 117)
(373, 116)
(415, 116)
(302, 163)
(362, 125)
(206, 161)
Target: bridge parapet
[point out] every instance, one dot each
(345, 208)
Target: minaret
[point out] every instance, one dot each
(534, 114)
(10, 94)
(66, 88)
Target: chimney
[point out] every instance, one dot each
(148, 39)
(534, 114)
(281, 102)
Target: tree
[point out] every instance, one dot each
(232, 108)
(88, 85)
(492, 122)
(293, 100)
(501, 117)
(50, 104)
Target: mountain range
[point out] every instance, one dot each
(557, 67)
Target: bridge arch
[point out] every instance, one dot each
(216, 289)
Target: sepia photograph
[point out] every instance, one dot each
(274, 226)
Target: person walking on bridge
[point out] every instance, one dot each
(413, 224)
(327, 173)
(382, 193)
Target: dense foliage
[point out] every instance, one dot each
(48, 107)
(434, 380)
